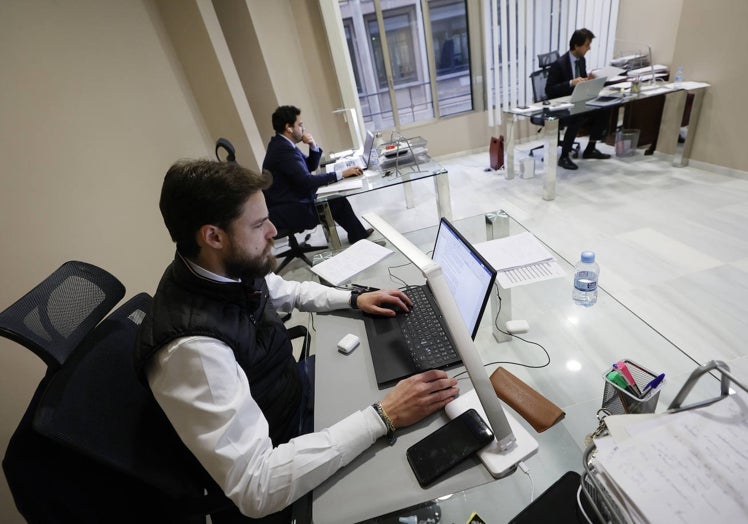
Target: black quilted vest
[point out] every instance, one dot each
(241, 315)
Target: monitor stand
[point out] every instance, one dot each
(499, 463)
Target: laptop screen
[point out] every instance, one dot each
(368, 145)
(588, 90)
(468, 275)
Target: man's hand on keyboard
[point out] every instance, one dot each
(384, 303)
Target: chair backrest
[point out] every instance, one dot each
(96, 406)
(546, 59)
(539, 78)
(226, 145)
(53, 318)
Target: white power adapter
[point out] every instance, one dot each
(517, 326)
(348, 343)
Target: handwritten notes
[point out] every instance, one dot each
(688, 467)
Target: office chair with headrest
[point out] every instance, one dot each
(538, 80)
(84, 450)
(54, 317)
(546, 59)
(228, 147)
(279, 216)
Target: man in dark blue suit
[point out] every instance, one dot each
(290, 198)
(564, 74)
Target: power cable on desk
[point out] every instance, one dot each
(496, 324)
(526, 471)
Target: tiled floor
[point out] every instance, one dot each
(671, 242)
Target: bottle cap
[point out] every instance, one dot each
(588, 257)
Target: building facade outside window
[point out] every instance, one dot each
(420, 71)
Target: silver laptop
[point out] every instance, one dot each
(359, 159)
(587, 90)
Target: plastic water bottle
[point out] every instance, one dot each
(678, 80)
(586, 272)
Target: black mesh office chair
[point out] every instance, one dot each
(538, 80)
(546, 59)
(54, 317)
(84, 450)
(96, 407)
(51, 320)
(279, 217)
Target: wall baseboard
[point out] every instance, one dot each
(705, 166)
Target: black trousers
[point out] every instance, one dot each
(595, 121)
(343, 214)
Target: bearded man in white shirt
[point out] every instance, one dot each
(219, 360)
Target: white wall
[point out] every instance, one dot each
(94, 109)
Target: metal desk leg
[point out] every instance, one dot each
(328, 225)
(549, 154)
(408, 190)
(683, 155)
(509, 167)
(497, 226)
(443, 199)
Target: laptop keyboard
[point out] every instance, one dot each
(424, 336)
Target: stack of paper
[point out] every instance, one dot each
(519, 259)
(359, 256)
(690, 466)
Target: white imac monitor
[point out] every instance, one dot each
(512, 442)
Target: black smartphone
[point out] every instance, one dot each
(449, 445)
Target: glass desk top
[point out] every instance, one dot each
(566, 350)
(377, 177)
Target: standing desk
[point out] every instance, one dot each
(380, 178)
(582, 342)
(560, 107)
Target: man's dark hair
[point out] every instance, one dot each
(200, 192)
(579, 37)
(285, 115)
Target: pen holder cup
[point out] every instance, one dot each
(620, 401)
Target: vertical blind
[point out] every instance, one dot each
(517, 31)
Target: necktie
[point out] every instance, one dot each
(576, 69)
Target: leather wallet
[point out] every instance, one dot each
(540, 412)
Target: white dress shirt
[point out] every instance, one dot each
(205, 394)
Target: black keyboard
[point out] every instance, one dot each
(424, 336)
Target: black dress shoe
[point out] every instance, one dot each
(367, 233)
(566, 163)
(595, 154)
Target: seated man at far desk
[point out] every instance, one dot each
(291, 196)
(569, 70)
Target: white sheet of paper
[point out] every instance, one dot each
(608, 72)
(520, 259)
(528, 274)
(345, 265)
(513, 251)
(341, 185)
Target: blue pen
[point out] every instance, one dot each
(653, 383)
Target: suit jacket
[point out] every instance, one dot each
(290, 198)
(559, 75)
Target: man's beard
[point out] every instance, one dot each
(241, 266)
